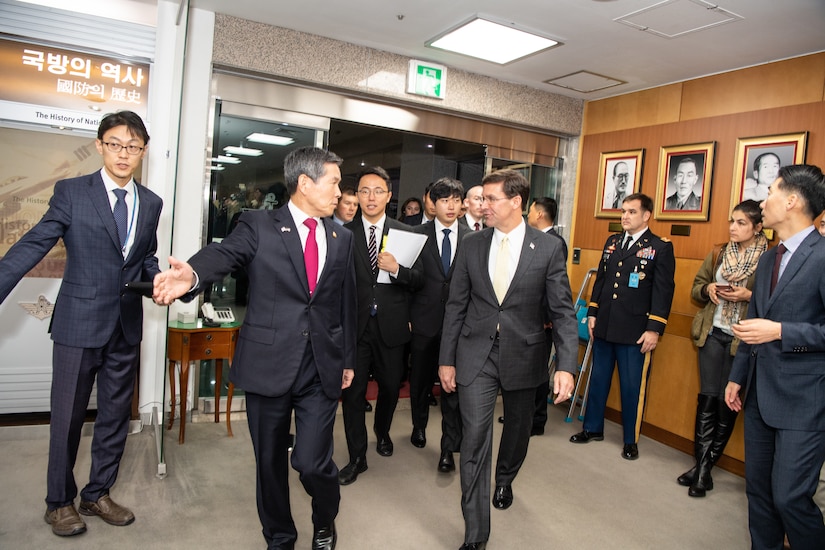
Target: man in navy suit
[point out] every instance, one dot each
(444, 236)
(296, 349)
(779, 369)
(507, 280)
(97, 325)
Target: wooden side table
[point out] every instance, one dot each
(193, 342)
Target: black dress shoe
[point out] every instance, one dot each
(367, 406)
(586, 437)
(418, 438)
(501, 420)
(537, 430)
(431, 400)
(473, 546)
(349, 473)
(446, 463)
(630, 451)
(384, 445)
(325, 538)
(503, 497)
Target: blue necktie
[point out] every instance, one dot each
(121, 214)
(446, 251)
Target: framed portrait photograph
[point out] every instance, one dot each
(620, 175)
(685, 177)
(758, 160)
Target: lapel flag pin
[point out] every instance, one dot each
(285, 229)
(334, 235)
(532, 246)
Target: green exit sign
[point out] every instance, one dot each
(427, 79)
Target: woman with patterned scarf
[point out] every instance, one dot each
(723, 284)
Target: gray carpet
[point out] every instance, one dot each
(566, 496)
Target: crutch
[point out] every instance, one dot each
(584, 337)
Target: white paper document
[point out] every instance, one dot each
(404, 246)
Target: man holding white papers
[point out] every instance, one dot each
(383, 321)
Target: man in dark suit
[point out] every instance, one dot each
(444, 237)
(474, 205)
(684, 180)
(779, 369)
(108, 224)
(627, 314)
(506, 281)
(382, 325)
(296, 349)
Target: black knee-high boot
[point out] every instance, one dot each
(705, 436)
(725, 422)
(706, 412)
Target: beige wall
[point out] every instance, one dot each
(777, 98)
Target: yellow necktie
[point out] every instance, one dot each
(500, 275)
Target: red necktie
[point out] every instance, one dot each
(311, 255)
(477, 227)
(780, 250)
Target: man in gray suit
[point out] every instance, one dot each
(108, 223)
(507, 280)
(779, 369)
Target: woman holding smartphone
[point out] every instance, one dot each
(723, 284)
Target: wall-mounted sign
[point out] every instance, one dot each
(46, 85)
(427, 79)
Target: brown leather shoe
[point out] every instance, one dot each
(65, 521)
(108, 510)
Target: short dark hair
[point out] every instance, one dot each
(750, 208)
(759, 158)
(647, 202)
(377, 171)
(309, 161)
(124, 118)
(806, 181)
(348, 190)
(549, 206)
(514, 184)
(444, 188)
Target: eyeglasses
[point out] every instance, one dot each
(366, 192)
(622, 176)
(493, 199)
(117, 147)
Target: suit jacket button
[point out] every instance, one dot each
(614, 296)
(620, 264)
(305, 332)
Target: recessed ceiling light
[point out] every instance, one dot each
(269, 139)
(231, 149)
(491, 41)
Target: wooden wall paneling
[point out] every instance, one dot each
(644, 108)
(783, 83)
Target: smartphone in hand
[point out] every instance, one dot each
(723, 288)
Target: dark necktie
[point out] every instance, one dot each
(121, 213)
(780, 251)
(626, 245)
(477, 227)
(446, 251)
(311, 255)
(373, 250)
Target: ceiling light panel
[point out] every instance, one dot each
(491, 41)
(244, 151)
(673, 18)
(270, 139)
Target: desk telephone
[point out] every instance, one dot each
(215, 316)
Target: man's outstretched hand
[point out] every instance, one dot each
(173, 283)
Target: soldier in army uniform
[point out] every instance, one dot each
(626, 316)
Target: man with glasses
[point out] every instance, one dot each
(621, 178)
(383, 326)
(507, 280)
(108, 223)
